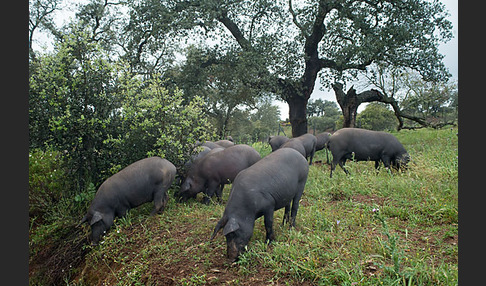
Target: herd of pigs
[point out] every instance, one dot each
(259, 187)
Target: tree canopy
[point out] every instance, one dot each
(278, 47)
(287, 45)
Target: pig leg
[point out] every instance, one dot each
(333, 165)
(160, 201)
(219, 193)
(213, 186)
(342, 162)
(311, 156)
(286, 214)
(268, 220)
(295, 207)
(377, 164)
(386, 161)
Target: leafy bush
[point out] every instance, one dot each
(156, 122)
(47, 181)
(377, 116)
(104, 117)
(73, 103)
(50, 189)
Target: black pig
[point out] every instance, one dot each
(296, 145)
(308, 141)
(274, 182)
(225, 143)
(322, 139)
(277, 141)
(143, 181)
(215, 170)
(366, 145)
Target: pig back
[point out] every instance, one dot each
(137, 183)
(227, 163)
(322, 139)
(277, 175)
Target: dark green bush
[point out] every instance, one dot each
(48, 180)
(104, 116)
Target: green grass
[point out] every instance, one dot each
(366, 228)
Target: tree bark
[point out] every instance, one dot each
(295, 93)
(350, 101)
(297, 114)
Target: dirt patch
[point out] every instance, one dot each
(419, 241)
(202, 261)
(320, 163)
(174, 255)
(62, 254)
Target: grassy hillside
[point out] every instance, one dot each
(367, 228)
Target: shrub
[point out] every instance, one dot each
(47, 180)
(377, 116)
(156, 122)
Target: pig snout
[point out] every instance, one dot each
(97, 230)
(233, 251)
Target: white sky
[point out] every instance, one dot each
(449, 49)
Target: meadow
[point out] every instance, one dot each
(366, 228)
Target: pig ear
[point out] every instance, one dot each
(231, 226)
(218, 226)
(96, 217)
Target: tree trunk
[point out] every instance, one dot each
(350, 101)
(297, 114)
(349, 104)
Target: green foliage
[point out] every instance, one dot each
(157, 122)
(73, 103)
(47, 181)
(434, 102)
(104, 117)
(51, 196)
(376, 116)
(264, 121)
(222, 80)
(323, 115)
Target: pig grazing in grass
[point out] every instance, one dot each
(144, 181)
(215, 170)
(366, 145)
(274, 182)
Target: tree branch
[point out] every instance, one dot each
(326, 63)
(318, 28)
(296, 22)
(235, 31)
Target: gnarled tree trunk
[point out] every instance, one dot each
(350, 101)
